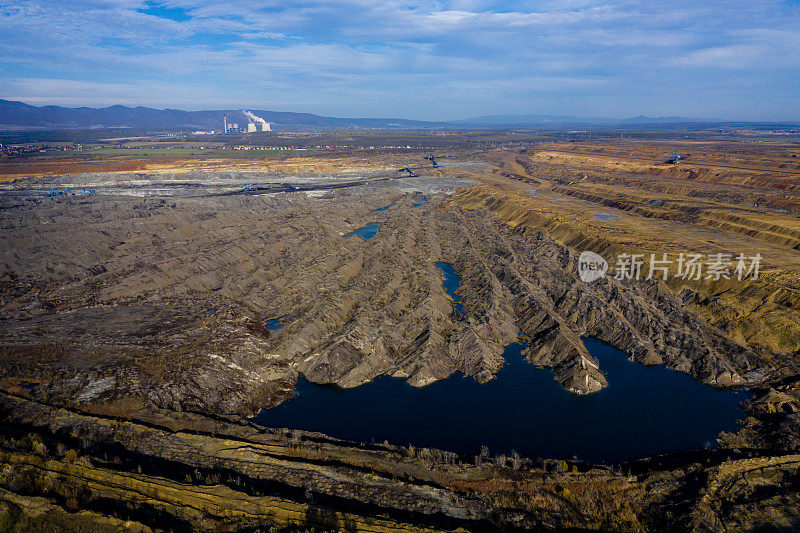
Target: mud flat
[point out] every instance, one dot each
(199, 184)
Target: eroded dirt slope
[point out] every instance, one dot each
(165, 300)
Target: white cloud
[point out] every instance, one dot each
(738, 56)
(347, 53)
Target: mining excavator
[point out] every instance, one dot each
(411, 170)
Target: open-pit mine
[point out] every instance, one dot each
(380, 340)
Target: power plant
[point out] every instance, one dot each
(254, 124)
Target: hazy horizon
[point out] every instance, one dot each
(459, 119)
(443, 61)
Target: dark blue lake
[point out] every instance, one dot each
(419, 201)
(366, 233)
(644, 411)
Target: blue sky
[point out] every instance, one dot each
(439, 60)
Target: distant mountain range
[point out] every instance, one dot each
(21, 116)
(18, 115)
(544, 120)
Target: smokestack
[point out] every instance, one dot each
(225, 122)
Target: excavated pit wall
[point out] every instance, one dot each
(112, 298)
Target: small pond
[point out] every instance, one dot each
(606, 217)
(384, 208)
(366, 233)
(451, 284)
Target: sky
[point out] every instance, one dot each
(431, 60)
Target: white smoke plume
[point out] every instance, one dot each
(254, 118)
